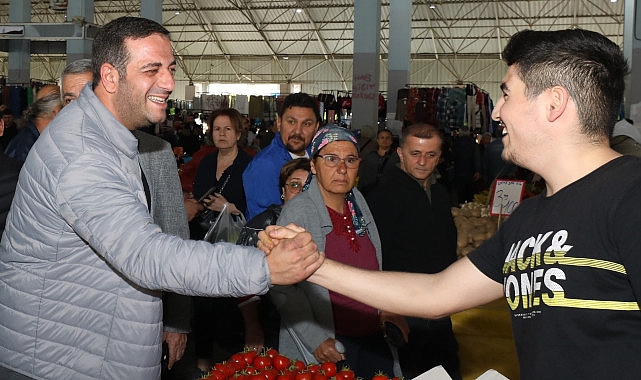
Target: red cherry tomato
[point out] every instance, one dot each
(314, 368)
(345, 374)
(215, 374)
(319, 376)
(329, 369)
(271, 353)
(380, 376)
(249, 356)
(299, 365)
(286, 376)
(304, 376)
(270, 373)
(261, 362)
(281, 362)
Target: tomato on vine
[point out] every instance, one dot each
(286, 375)
(319, 376)
(313, 368)
(299, 365)
(329, 369)
(380, 376)
(271, 353)
(216, 375)
(281, 362)
(270, 373)
(249, 356)
(346, 374)
(261, 362)
(304, 376)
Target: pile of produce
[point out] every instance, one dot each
(474, 225)
(271, 365)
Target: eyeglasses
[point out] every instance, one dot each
(332, 160)
(295, 185)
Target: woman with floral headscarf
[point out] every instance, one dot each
(318, 325)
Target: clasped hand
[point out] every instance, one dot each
(292, 254)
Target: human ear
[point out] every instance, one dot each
(312, 166)
(109, 77)
(558, 101)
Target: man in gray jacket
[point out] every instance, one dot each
(81, 262)
(167, 206)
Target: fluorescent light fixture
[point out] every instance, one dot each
(299, 10)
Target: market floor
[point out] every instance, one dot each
(485, 341)
(484, 335)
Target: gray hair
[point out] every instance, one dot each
(79, 66)
(45, 107)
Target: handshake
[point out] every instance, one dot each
(292, 254)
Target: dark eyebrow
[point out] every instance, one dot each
(151, 65)
(504, 87)
(156, 64)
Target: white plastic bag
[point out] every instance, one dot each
(226, 227)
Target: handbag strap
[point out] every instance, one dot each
(220, 190)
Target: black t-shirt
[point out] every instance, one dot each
(571, 268)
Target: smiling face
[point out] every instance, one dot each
(335, 181)
(521, 119)
(141, 96)
(223, 132)
(297, 128)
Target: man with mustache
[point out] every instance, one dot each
(298, 120)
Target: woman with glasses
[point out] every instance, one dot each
(292, 178)
(318, 325)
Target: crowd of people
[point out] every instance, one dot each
(346, 257)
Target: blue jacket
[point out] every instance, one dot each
(260, 179)
(20, 145)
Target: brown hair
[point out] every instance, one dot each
(290, 167)
(233, 115)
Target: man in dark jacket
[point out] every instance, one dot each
(9, 170)
(412, 213)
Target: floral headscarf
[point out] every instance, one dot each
(324, 136)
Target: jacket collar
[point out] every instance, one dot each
(114, 131)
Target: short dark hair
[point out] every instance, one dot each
(383, 130)
(291, 166)
(109, 44)
(587, 64)
(422, 131)
(300, 99)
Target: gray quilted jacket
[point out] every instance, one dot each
(82, 264)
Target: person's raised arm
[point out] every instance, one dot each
(459, 287)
